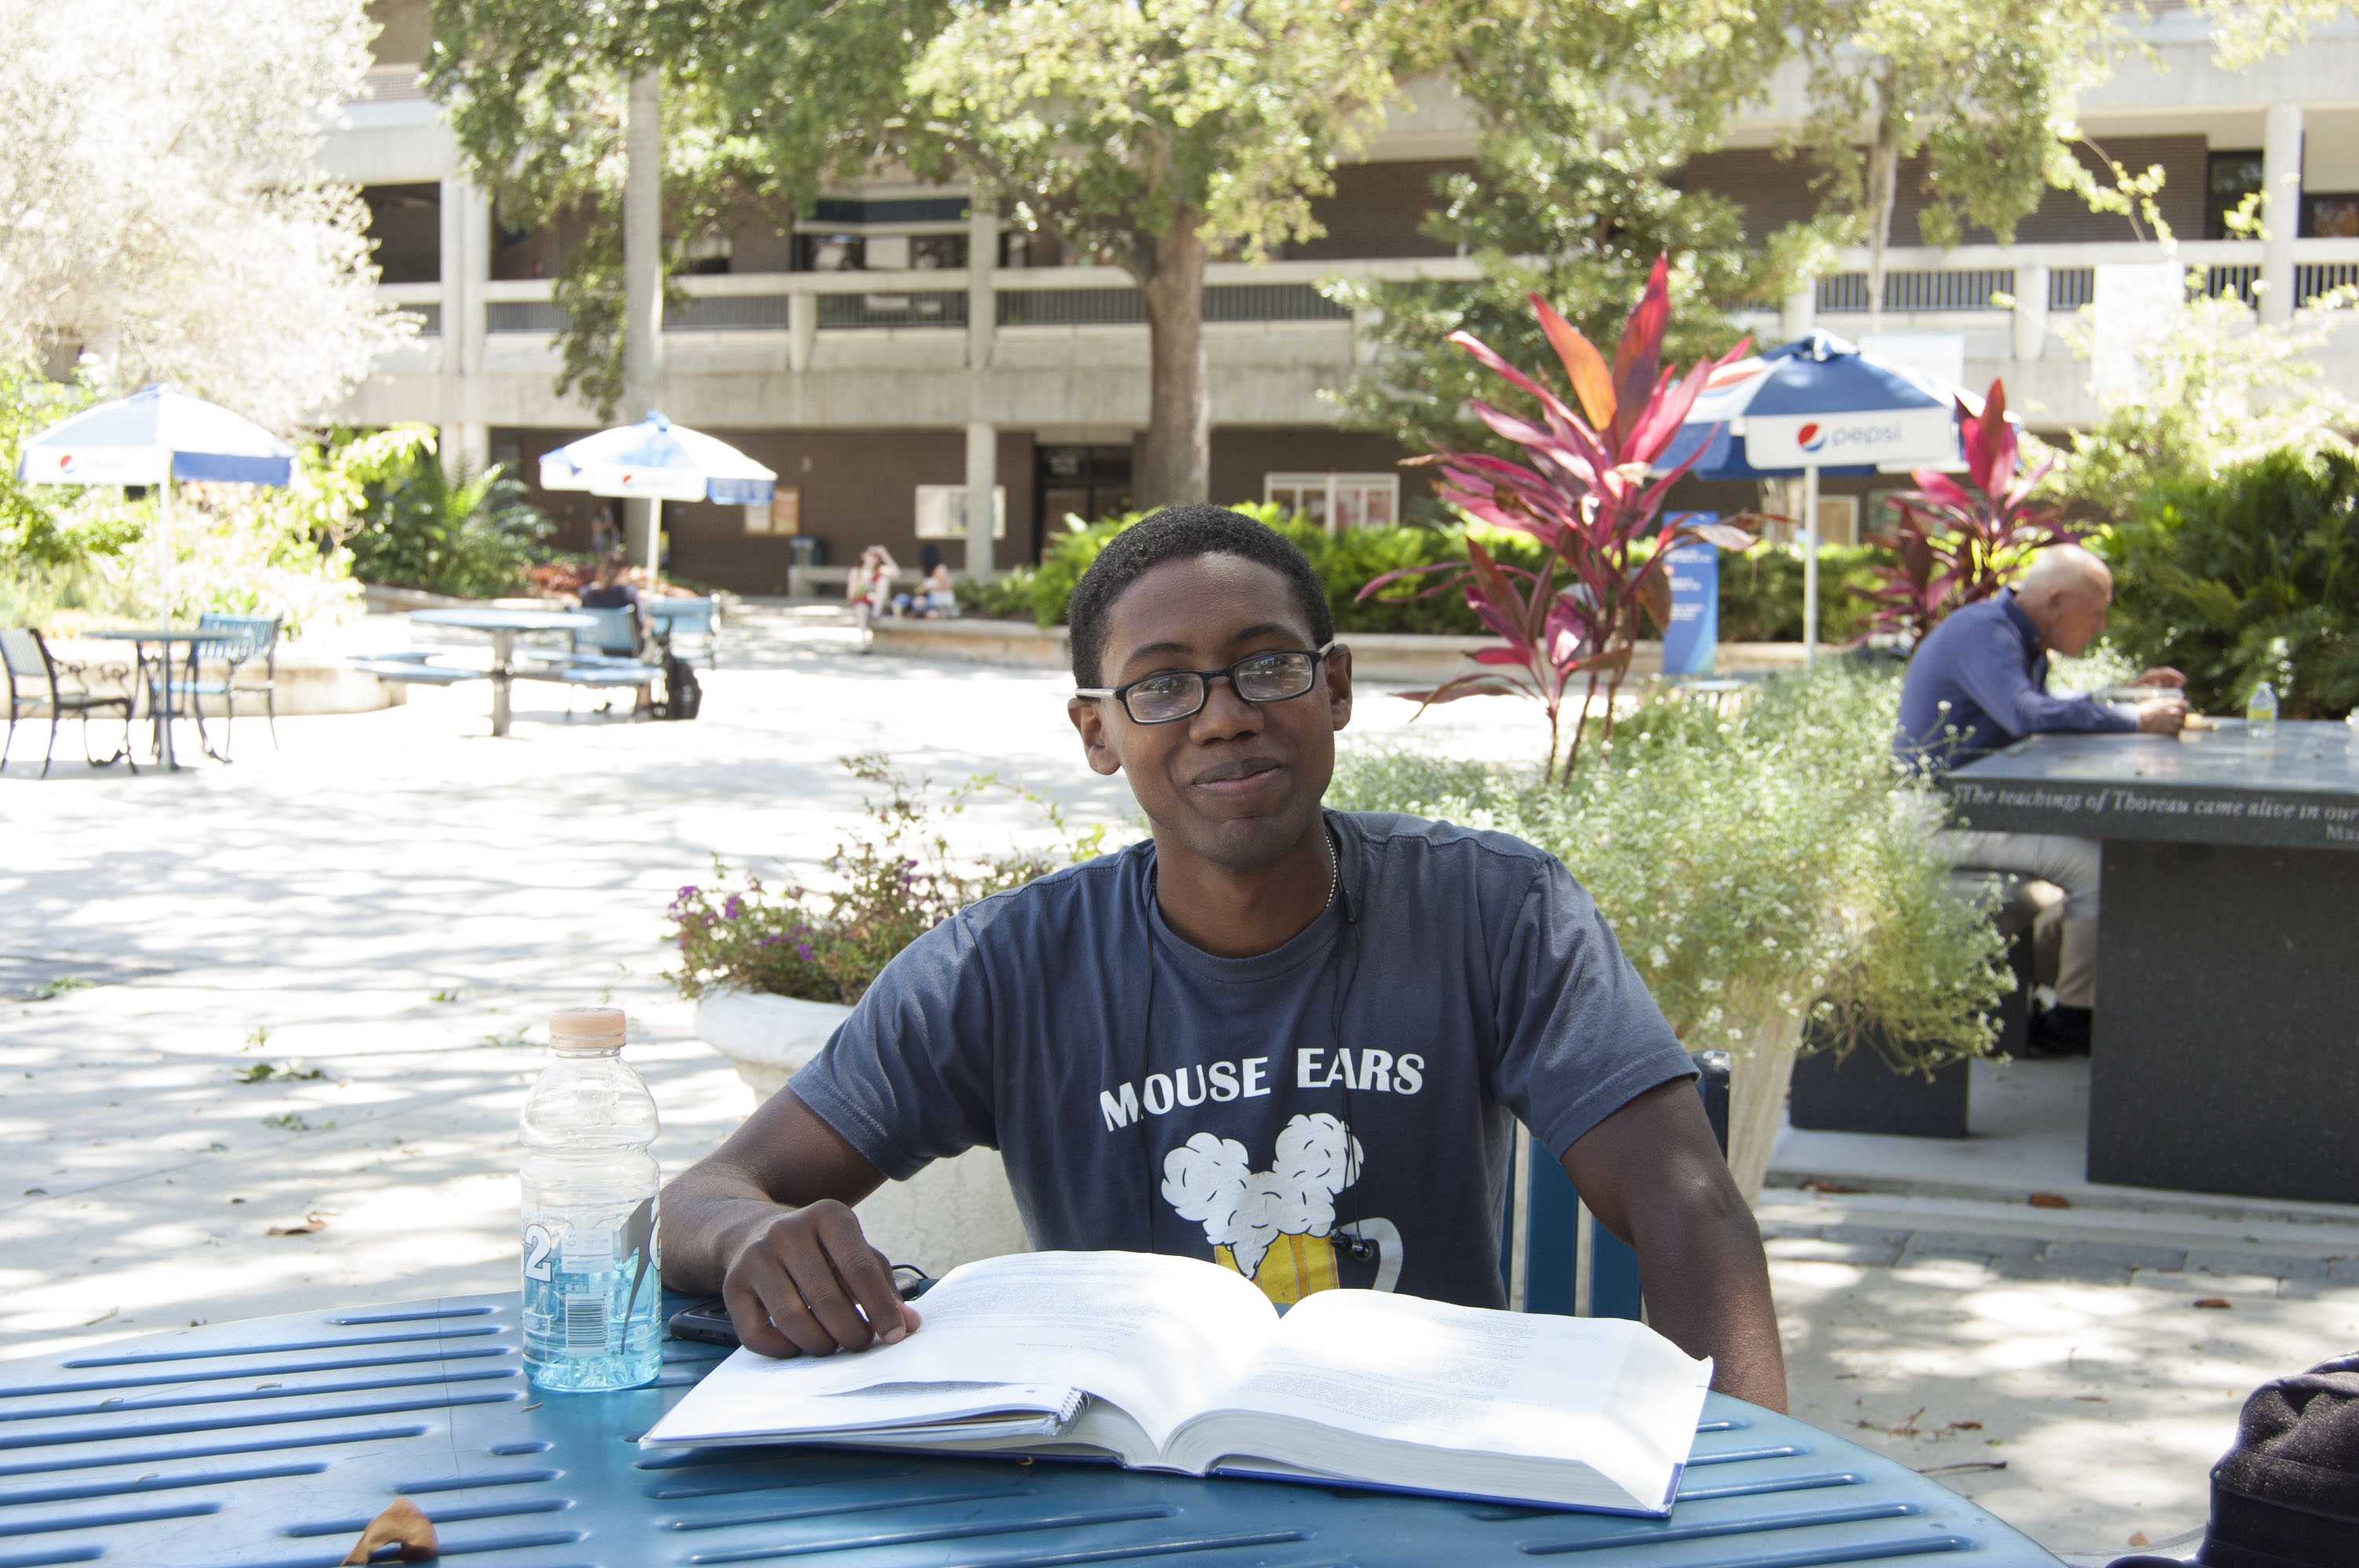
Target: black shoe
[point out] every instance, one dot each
(2059, 1032)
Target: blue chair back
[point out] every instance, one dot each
(21, 653)
(682, 617)
(242, 636)
(617, 635)
(1547, 1227)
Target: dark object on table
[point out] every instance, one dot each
(23, 656)
(2286, 1496)
(707, 1323)
(244, 638)
(1858, 1092)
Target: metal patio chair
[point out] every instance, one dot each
(244, 639)
(27, 659)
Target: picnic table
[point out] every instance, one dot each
(2227, 959)
(160, 705)
(505, 626)
(271, 1443)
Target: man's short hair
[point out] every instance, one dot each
(1180, 533)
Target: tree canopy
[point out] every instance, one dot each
(161, 204)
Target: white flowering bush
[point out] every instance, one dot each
(1758, 868)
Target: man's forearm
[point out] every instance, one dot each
(1706, 1284)
(707, 1210)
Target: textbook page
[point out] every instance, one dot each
(1603, 1393)
(1155, 1335)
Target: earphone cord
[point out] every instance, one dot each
(1359, 1247)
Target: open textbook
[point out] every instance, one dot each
(1172, 1364)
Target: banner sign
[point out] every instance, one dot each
(1692, 642)
(1784, 442)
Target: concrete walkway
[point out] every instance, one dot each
(372, 924)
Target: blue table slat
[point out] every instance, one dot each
(270, 1444)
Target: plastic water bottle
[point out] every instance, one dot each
(2261, 712)
(592, 1283)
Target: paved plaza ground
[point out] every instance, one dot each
(394, 900)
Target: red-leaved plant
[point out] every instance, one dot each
(1957, 543)
(1584, 493)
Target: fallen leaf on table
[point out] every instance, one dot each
(309, 1225)
(1964, 1464)
(400, 1525)
(2050, 1200)
(1965, 1426)
(102, 1317)
(1838, 1188)
(2091, 1398)
(2138, 1538)
(36, 1192)
(2218, 1304)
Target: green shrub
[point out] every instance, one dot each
(1008, 597)
(473, 537)
(1762, 863)
(2235, 577)
(1760, 591)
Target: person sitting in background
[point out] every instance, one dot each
(869, 588)
(611, 589)
(1978, 682)
(934, 596)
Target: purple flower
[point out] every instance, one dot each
(803, 951)
(687, 892)
(772, 940)
(733, 908)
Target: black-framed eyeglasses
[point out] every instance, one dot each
(1168, 696)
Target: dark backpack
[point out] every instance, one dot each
(682, 694)
(2286, 1496)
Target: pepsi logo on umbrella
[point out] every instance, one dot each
(1810, 438)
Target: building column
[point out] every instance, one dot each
(642, 281)
(1800, 313)
(2030, 311)
(802, 328)
(465, 265)
(981, 256)
(981, 480)
(2280, 209)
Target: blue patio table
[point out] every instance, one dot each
(504, 625)
(271, 1443)
(160, 705)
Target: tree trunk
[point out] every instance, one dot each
(1176, 461)
(1883, 189)
(642, 286)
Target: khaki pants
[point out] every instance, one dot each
(2072, 864)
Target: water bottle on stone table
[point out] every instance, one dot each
(2261, 712)
(592, 1282)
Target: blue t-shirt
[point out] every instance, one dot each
(1982, 673)
(1357, 1082)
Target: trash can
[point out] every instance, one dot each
(803, 550)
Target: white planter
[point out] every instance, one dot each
(952, 1212)
(1758, 1078)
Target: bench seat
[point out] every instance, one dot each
(417, 669)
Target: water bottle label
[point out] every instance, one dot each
(588, 1249)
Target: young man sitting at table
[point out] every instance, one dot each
(1979, 682)
(1266, 1023)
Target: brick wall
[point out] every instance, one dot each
(1376, 211)
(1776, 191)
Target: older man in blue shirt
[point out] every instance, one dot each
(1980, 681)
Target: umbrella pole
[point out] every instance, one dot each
(1810, 566)
(655, 538)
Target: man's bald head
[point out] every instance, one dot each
(2066, 593)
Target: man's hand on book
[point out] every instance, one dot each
(806, 1283)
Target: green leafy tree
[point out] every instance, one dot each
(1982, 93)
(43, 529)
(1156, 135)
(470, 534)
(1588, 115)
(2252, 575)
(764, 101)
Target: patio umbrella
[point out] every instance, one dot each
(656, 460)
(155, 435)
(1817, 405)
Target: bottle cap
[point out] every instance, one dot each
(587, 1029)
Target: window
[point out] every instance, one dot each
(2232, 176)
(942, 512)
(830, 253)
(937, 253)
(1337, 501)
(2330, 215)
